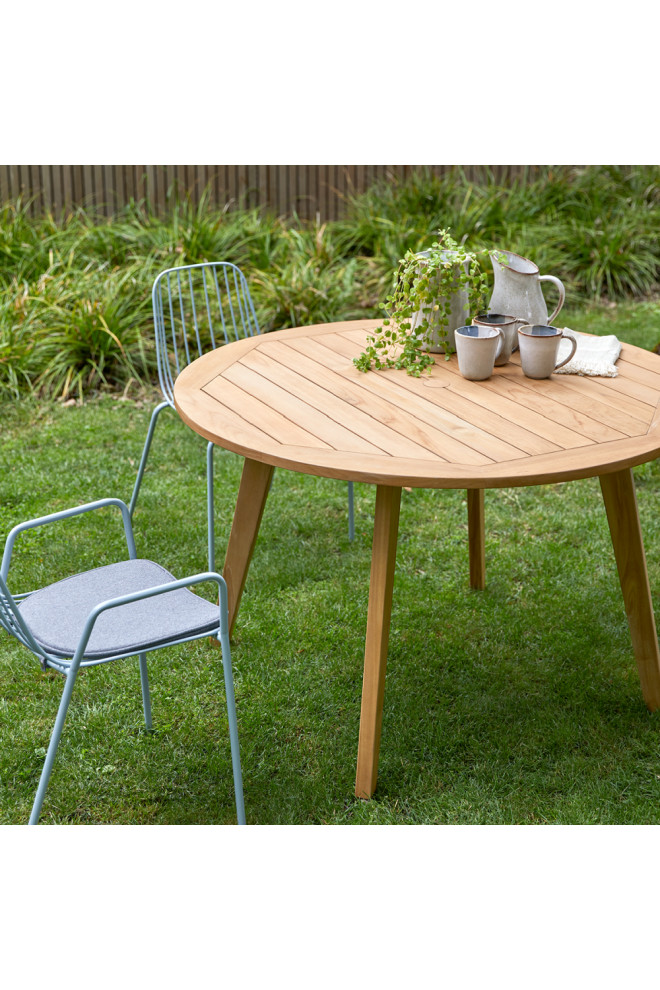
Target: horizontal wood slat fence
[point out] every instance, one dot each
(308, 190)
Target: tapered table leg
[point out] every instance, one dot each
(622, 515)
(383, 559)
(476, 538)
(250, 504)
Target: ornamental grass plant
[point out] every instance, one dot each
(90, 278)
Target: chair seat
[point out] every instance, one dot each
(57, 614)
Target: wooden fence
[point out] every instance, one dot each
(308, 190)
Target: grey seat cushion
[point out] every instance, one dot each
(57, 614)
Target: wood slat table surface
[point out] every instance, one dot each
(294, 399)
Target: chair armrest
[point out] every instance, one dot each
(68, 514)
(161, 589)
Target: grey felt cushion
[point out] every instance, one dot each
(56, 615)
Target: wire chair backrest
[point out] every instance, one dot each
(196, 309)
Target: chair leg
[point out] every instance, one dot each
(145, 453)
(146, 697)
(351, 512)
(210, 505)
(233, 728)
(52, 747)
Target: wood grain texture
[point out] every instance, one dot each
(476, 538)
(294, 399)
(383, 559)
(622, 515)
(250, 504)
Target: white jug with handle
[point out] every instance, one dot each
(517, 289)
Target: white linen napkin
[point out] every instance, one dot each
(594, 355)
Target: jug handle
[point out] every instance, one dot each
(562, 293)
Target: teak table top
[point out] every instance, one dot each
(294, 399)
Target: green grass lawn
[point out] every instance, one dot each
(519, 704)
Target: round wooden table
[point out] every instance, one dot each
(294, 399)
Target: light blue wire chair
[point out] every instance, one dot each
(112, 612)
(196, 309)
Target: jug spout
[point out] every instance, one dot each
(513, 262)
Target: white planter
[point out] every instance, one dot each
(439, 330)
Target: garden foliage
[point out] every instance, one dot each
(75, 308)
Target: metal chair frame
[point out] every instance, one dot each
(14, 623)
(220, 311)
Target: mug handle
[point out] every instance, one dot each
(500, 342)
(562, 293)
(573, 341)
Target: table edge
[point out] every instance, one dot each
(598, 459)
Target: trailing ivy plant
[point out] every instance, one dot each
(424, 284)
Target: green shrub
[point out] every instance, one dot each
(75, 291)
(312, 281)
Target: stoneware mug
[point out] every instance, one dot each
(477, 348)
(539, 346)
(507, 325)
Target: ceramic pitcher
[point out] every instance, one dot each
(517, 289)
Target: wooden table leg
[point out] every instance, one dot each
(621, 507)
(383, 559)
(476, 538)
(250, 504)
